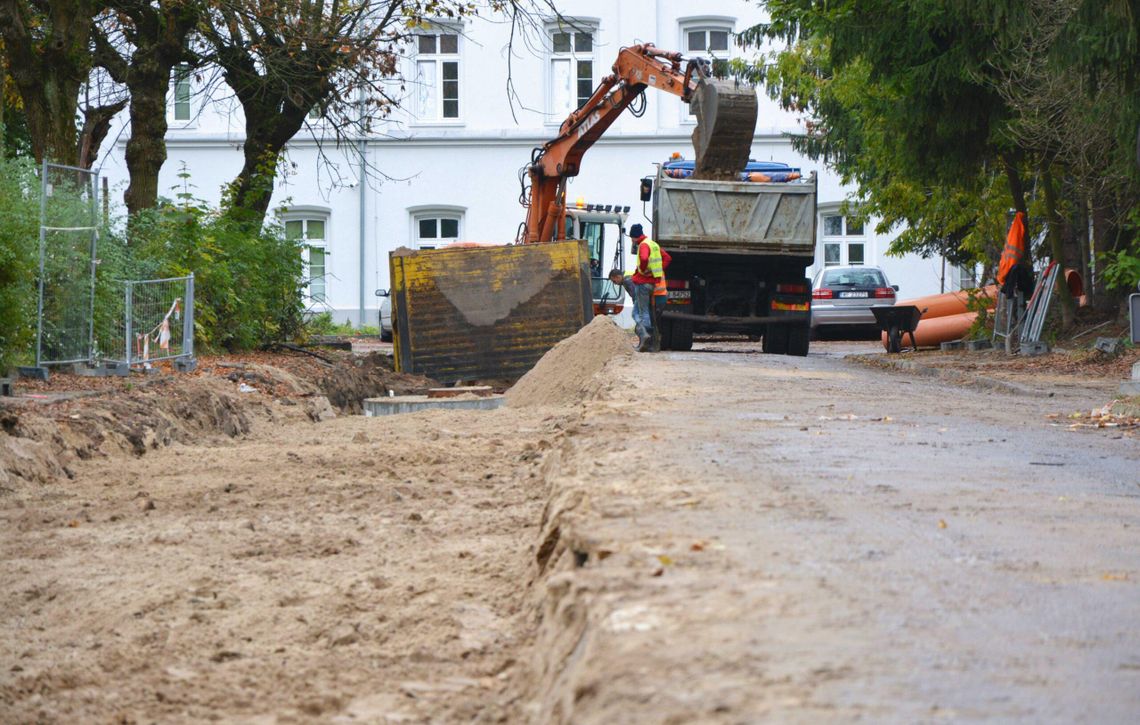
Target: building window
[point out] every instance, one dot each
(843, 241)
(571, 69)
(435, 229)
(311, 233)
(437, 76)
(708, 40)
(181, 92)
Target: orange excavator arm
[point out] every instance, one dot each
(637, 67)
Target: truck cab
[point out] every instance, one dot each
(603, 229)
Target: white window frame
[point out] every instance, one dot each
(436, 212)
(438, 59)
(570, 26)
(708, 23)
(844, 240)
(305, 215)
(181, 76)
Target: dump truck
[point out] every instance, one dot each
(740, 248)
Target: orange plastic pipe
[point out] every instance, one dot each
(935, 330)
(1075, 283)
(950, 303)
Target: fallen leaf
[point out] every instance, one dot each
(1109, 576)
(664, 559)
(941, 523)
(697, 546)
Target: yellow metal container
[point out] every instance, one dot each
(479, 313)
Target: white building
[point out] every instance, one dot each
(453, 153)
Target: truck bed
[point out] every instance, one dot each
(735, 217)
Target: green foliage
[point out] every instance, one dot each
(246, 283)
(323, 324)
(1122, 270)
(949, 114)
(19, 234)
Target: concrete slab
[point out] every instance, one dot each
(1130, 387)
(975, 345)
(951, 345)
(1030, 349)
(412, 403)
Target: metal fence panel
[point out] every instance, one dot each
(66, 285)
(155, 321)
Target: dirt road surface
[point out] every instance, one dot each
(715, 536)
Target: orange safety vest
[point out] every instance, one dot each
(1014, 250)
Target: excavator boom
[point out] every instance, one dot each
(726, 119)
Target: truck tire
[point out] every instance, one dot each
(681, 336)
(799, 337)
(775, 340)
(666, 333)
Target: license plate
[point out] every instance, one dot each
(853, 295)
(680, 294)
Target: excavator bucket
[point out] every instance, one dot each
(726, 121)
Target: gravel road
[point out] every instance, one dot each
(811, 539)
(715, 536)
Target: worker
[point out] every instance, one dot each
(648, 279)
(626, 282)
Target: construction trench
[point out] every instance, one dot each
(718, 536)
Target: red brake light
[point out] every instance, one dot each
(881, 292)
(676, 284)
(792, 289)
(822, 294)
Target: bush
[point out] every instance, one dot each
(247, 285)
(19, 244)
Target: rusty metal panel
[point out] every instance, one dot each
(736, 217)
(471, 313)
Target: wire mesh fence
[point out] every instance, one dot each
(66, 288)
(153, 320)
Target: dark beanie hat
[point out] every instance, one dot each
(636, 231)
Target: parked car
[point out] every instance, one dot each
(385, 315)
(842, 298)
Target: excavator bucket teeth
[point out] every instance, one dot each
(726, 121)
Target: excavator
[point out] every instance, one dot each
(726, 120)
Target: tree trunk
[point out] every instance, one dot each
(267, 133)
(250, 192)
(96, 126)
(49, 61)
(1057, 245)
(1105, 234)
(1016, 187)
(146, 148)
(1017, 195)
(51, 122)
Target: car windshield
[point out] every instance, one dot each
(864, 277)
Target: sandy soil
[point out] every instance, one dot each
(715, 536)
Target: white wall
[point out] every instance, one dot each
(474, 163)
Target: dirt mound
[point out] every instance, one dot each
(565, 372)
(368, 376)
(41, 442)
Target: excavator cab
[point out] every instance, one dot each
(603, 228)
